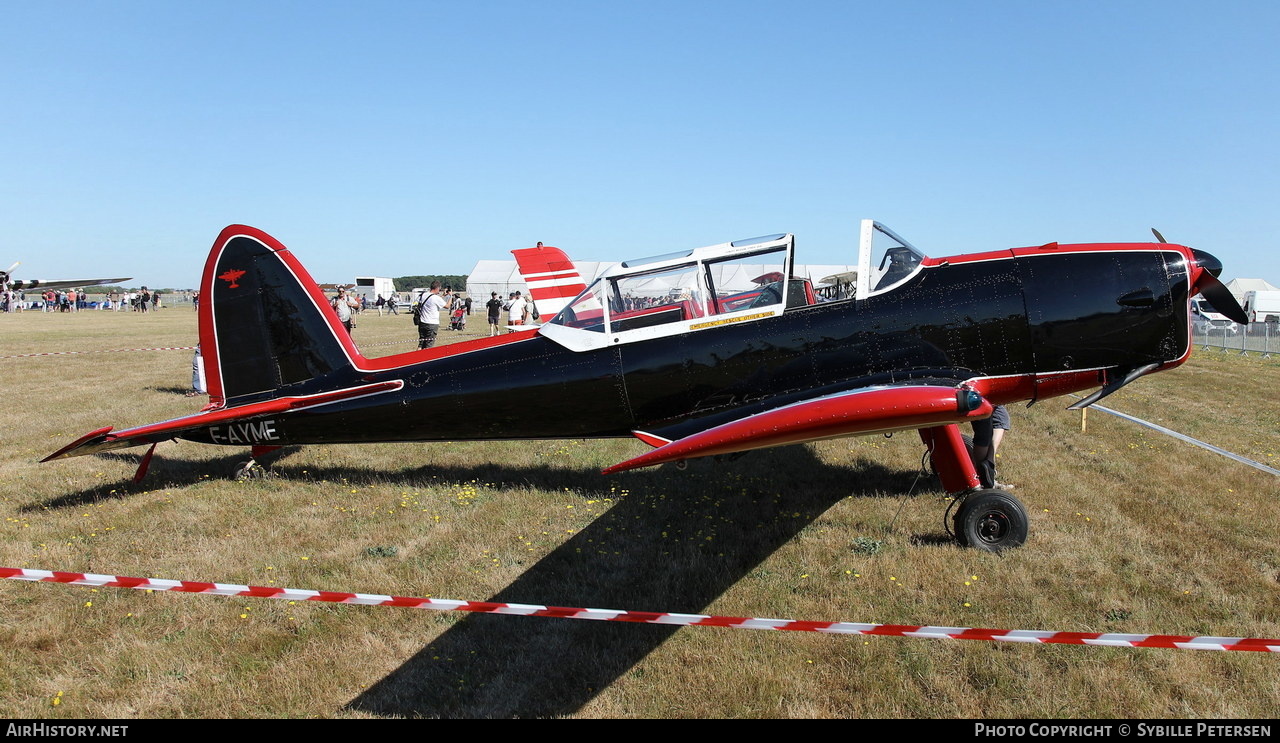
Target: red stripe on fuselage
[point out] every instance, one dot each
(1056, 249)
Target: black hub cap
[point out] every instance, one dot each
(993, 526)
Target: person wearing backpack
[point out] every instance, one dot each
(428, 317)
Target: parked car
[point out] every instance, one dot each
(1205, 320)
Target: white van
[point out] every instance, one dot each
(1262, 306)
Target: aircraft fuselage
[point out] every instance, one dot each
(1024, 324)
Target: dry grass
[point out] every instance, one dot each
(1131, 532)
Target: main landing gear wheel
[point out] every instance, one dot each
(991, 521)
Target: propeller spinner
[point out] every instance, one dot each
(1208, 285)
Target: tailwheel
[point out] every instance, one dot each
(991, 521)
(250, 470)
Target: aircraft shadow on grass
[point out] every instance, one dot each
(175, 472)
(649, 551)
(663, 547)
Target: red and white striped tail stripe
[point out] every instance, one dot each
(1185, 642)
(552, 278)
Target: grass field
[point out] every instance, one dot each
(1131, 531)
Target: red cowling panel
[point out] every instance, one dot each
(844, 414)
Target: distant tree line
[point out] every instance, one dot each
(407, 283)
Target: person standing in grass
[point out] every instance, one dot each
(494, 306)
(516, 311)
(197, 375)
(343, 308)
(429, 317)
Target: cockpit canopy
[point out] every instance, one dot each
(884, 259)
(697, 284)
(741, 281)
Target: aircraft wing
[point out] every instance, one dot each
(104, 440)
(850, 413)
(29, 285)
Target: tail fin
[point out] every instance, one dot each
(266, 329)
(552, 278)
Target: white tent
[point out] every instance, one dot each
(494, 276)
(504, 277)
(1240, 287)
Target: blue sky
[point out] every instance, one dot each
(397, 138)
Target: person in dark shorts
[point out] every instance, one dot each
(987, 435)
(494, 306)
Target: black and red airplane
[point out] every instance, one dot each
(709, 351)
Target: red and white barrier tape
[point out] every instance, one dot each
(107, 350)
(1185, 642)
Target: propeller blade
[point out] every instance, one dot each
(1221, 298)
(1209, 285)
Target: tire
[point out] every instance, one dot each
(991, 521)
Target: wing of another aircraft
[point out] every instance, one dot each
(864, 411)
(30, 285)
(6, 279)
(7, 282)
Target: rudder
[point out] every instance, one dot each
(265, 326)
(552, 278)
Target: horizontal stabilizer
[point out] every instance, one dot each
(103, 440)
(843, 414)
